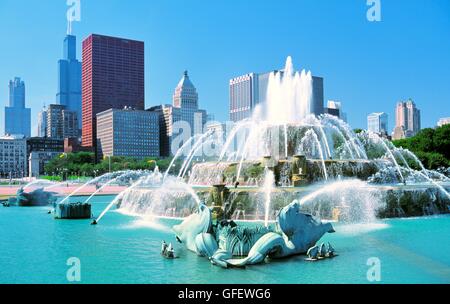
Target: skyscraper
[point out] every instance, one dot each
(244, 96)
(61, 122)
(184, 109)
(249, 90)
(17, 117)
(42, 123)
(377, 123)
(69, 79)
(407, 123)
(185, 98)
(112, 78)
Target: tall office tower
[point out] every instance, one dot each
(377, 123)
(185, 98)
(244, 96)
(17, 117)
(407, 122)
(249, 90)
(128, 133)
(112, 78)
(69, 78)
(61, 123)
(42, 123)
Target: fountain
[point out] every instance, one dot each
(289, 170)
(35, 198)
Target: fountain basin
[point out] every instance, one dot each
(73, 211)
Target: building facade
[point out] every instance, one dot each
(407, 122)
(112, 78)
(42, 123)
(185, 98)
(335, 108)
(61, 123)
(182, 118)
(69, 79)
(129, 133)
(167, 117)
(17, 116)
(244, 96)
(377, 123)
(40, 151)
(13, 157)
(249, 90)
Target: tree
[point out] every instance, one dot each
(431, 146)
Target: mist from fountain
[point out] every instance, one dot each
(354, 141)
(289, 95)
(355, 200)
(311, 135)
(192, 153)
(124, 175)
(389, 152)
(178, 154)
(269, 185)
(41, 184)
(152, 178)
(106, 176)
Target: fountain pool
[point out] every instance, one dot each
(125, 249)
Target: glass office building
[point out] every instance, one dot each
(128, 132)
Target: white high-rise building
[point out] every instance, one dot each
(42, 123)
(185, 98)
(377, 123)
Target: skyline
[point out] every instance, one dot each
(370, 68)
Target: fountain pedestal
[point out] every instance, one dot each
(73, 211)
(299, 180)
(299, 171)
(268, 162)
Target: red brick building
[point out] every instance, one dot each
(112, 78)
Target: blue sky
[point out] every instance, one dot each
(367, 66)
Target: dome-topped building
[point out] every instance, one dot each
(185, 98)
(185, 95)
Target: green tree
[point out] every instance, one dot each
(431, 146)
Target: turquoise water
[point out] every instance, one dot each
(125, 249)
